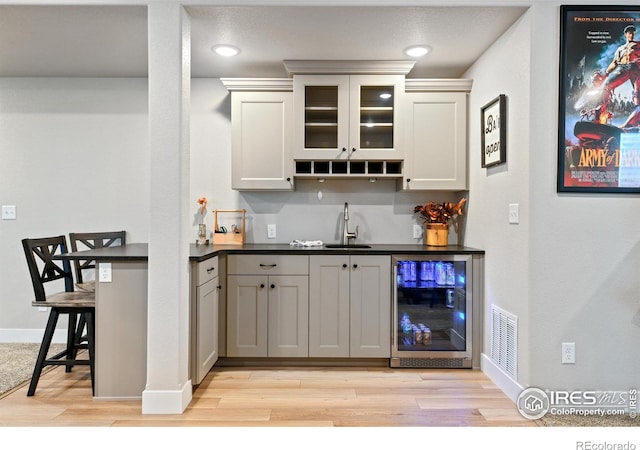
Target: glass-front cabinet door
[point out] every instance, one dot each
(347, 116)
(374, 117)
(321, 107)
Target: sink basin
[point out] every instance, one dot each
(347, 246)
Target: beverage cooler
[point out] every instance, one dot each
(432, 314)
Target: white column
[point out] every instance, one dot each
(168, 388)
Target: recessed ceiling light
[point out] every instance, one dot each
(225, 50)
(417, 50)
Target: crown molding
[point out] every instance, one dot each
(258, 84)
(438, 84)
(347, 67)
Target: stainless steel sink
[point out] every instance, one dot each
(347, 246)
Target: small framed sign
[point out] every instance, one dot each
(494, 132)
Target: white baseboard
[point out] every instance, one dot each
(166, 402)
(17, 335)
(506, 384)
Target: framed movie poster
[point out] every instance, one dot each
(494, 132)
(599, 116)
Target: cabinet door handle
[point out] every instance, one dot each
(211, 269)
(408, 180)
(219, 287)
(353, 149)
(268, 265)
(273, 286)
(289, 179)
(344, 149)
(355, 266)
(261, 285)
(344, 266)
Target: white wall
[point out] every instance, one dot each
(569, 270)
(493, 189)
(74, 157)
(584, 253)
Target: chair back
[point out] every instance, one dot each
(43, 268)
(86, 241)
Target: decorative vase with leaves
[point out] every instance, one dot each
(437, 217)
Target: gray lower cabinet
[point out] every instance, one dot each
(267, 305)
(350, 306)
(205, 333)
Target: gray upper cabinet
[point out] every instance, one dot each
(327, 122)
(261, 136)
(347, 116)
(435, 156)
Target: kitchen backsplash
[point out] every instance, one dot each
(314, 211)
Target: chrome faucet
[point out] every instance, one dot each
(346, 235)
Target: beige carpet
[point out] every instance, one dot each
(17, 361)
(590, 421)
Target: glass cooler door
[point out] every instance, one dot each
(432, 306)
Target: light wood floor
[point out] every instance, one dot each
(281, 397)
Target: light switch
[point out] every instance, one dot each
(104, 272)
(271, 231)
(514, 213)
(9, 212)
(417, 231)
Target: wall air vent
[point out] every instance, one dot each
(504, 341)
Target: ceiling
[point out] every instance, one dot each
(111, 41)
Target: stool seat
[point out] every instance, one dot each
(76, 299)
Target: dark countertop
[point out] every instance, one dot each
(198, 253)
(203, 252)
(129, 252)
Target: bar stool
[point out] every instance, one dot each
(89, 241)
(44, 269)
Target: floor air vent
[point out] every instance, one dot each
(504, 340)
(431, 363)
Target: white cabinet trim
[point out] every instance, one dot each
(258, 84)
(438, 84)
(348, 67)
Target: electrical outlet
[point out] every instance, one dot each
(271, 231)
(9, 212)
(104, 272)
(417, 231)
(514, 213)
(568, 353)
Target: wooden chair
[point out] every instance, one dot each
(44, 269)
